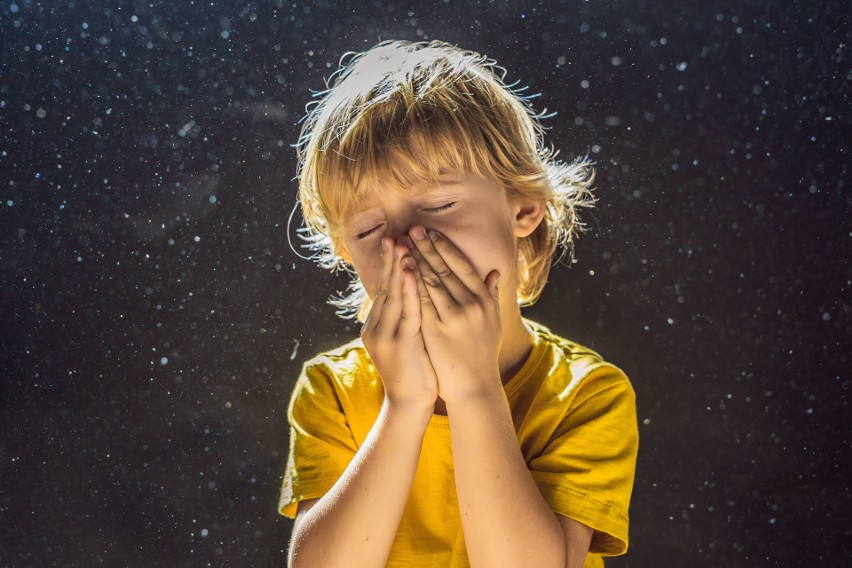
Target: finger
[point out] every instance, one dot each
(434, 285)
(456, 260)
(491, 282)
(374, 316)
(427, 251)
(393, 296)
(409, 323)
(427, 306)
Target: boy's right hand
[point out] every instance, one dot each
(392, 336)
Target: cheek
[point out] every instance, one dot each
(486, 248)
(369, 269)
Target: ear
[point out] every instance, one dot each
(527, 214)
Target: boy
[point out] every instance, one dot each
(454, 432)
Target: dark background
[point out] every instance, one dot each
(154, 317)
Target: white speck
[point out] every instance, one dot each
(204, 532)
(164, 360)
(228, 404)
(826, 316)
(9, 202)
(295, 349)
(681, 66)
(196, 238)
(616, 61)
(810, 411)
(41, 113)
(646, 421)
(212, 199)
(184, 130)
(669, 321)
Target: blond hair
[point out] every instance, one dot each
(403, 113)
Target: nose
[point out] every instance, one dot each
(402, 223)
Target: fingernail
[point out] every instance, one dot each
(385, 244)
(418, 233)
(409, 263)
(433, 235)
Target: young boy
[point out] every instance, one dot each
(454, 432)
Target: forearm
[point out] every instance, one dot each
(356, 521)
(505, 519)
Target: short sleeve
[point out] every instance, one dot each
(587, 468)
(321, 442)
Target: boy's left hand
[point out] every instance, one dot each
(460, 317)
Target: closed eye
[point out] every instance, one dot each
(441, 208)
(366, 234)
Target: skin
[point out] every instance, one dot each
(445, 333)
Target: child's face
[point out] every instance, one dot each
(474, 213)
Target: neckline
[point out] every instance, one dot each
(512, 385)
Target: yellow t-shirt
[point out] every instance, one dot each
(575, 416)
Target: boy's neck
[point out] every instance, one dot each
(517, 344)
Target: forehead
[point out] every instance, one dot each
(379, 193)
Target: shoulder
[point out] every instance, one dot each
(577, 370)
(337, 370)
(350, 355)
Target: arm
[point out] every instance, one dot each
(505, 519)
(356, 521)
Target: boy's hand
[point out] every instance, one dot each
(392, 333)
(460, 317)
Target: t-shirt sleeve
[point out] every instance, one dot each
(321, 442)
(587, 468)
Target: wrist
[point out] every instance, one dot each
(474, 389)
(479, 406)
(416, 409)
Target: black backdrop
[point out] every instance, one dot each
(154, 318)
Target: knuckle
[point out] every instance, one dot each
(444, 272)
(467, 268)
(432, 280)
